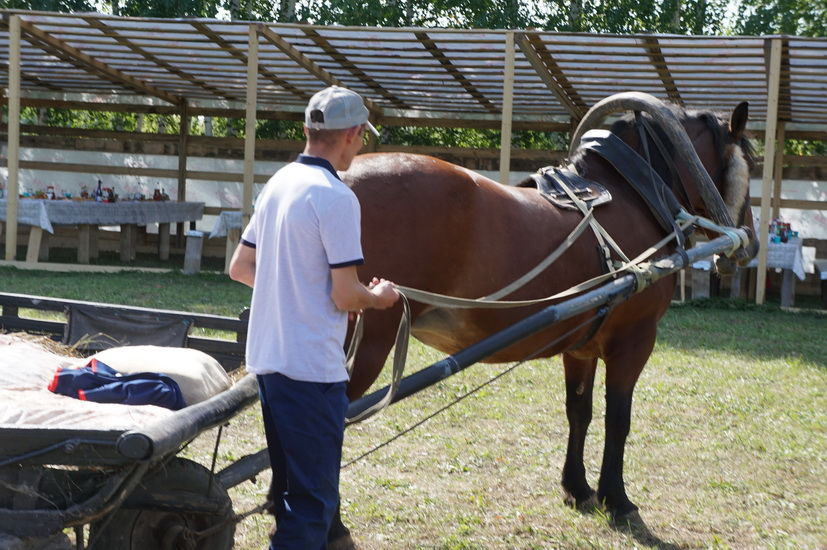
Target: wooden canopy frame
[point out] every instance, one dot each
(504, 79)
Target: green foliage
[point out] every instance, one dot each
(795, 17)
(49, 5)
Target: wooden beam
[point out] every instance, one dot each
(111, 33)
(778, 166)
(773, 88)
(13, 144)
(344, 62)
(795, 204)
(250, 123)
(659, 62)
(438, 54)
(86, 62)
(784, 94)
(241, 56)
(311, 66)
(550, 73)
(183, 137)
(508, 104)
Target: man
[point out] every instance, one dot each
(299, 254)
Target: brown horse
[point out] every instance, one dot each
(434, 226)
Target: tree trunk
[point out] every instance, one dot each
(676, 17)
(576, 15)
(700, 18)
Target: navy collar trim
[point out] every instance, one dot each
(318, 161)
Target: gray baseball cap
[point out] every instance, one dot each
(336, 108)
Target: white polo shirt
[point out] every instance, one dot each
(306, 221)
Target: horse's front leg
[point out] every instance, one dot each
(623, 367)
(579, 385)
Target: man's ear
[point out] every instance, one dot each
(354, 133)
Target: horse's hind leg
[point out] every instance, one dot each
(579, 385)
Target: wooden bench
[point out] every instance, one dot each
(230, 353)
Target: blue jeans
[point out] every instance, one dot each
(304, 423)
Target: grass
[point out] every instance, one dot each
(727, 447)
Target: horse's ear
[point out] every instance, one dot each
(738, 121)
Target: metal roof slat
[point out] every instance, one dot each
(87, 63)
(446, 63)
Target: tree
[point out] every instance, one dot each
(795, 17)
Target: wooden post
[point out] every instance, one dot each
(250, 127)
(163, 241)
(84, 233)
(33, 250)
(508, 104)
(13, 148)
(773, 89)
(778, 166)
(183, 139)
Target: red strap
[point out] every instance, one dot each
(82, 395)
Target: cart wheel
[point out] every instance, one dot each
(179, 482)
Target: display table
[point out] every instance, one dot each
(44, 214)
(228, 225)
(787, 256)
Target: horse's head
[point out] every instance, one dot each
(710, 157)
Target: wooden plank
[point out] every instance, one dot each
(84, 235)
(183, 136)
(795, 204)
(552, 76)
(452, 70)
(773, 70)
(108, 31)
(17, 324)
(508, 103)
(127, 242)
(92, 65)
(250, 123)
(163, 240)
(778, 165)
(95, 168)
(659, 62)
(308, 64)
(94, 248)
(238, 54)
(13, 140)
(344, 61)
(33, 250)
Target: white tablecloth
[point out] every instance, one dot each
(46, 213)
(226, 220)
(785, 256)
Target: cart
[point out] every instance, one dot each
(133, 490)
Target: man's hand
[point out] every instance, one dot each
(385, 291)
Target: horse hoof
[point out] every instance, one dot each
(584, 504)
(628, 519)
(345, 542)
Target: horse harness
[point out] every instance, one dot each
(566, 189)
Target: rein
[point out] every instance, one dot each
(679, 222)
